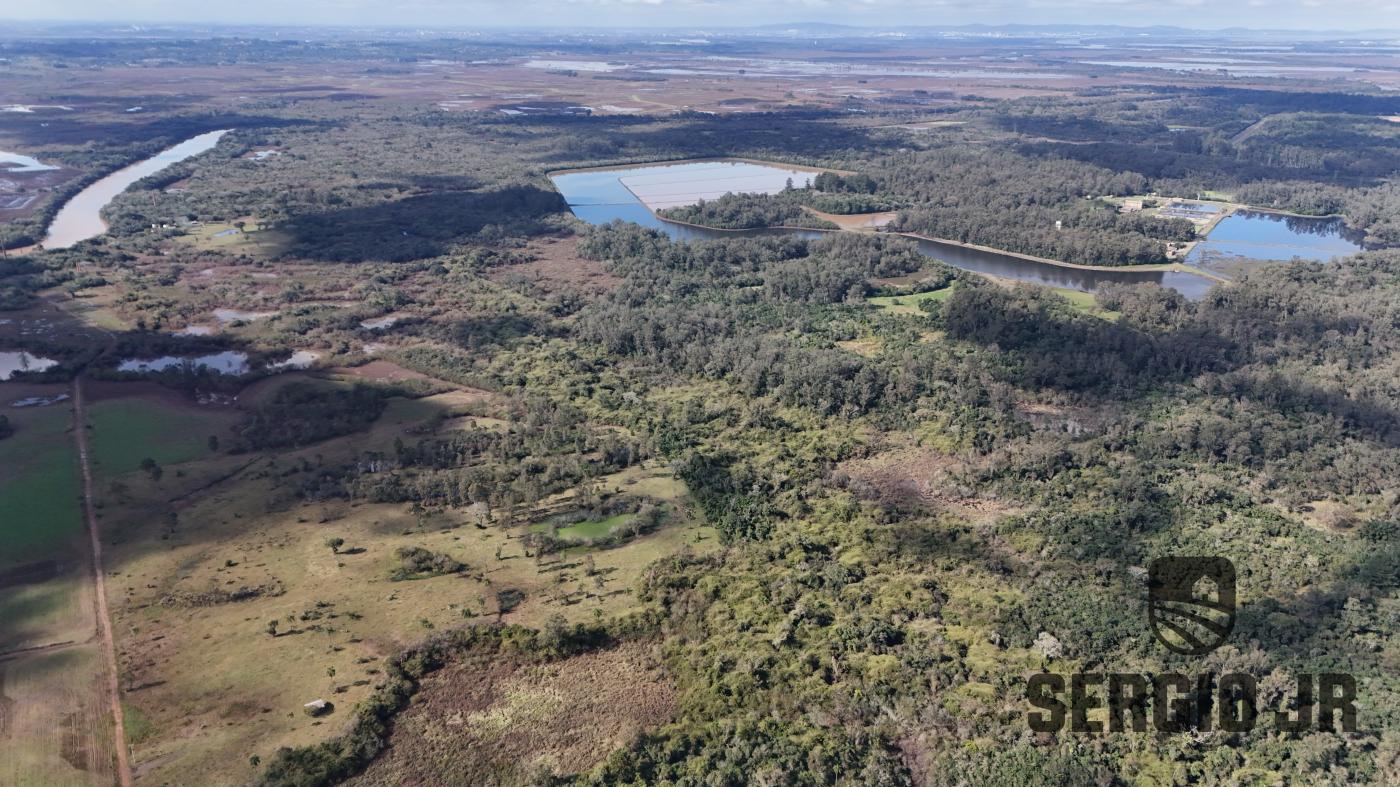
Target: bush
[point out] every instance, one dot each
(419, 563)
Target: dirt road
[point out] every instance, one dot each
(104, 620)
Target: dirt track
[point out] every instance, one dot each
(104, 621)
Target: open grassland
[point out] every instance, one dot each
(225, 236)
(909, 304)
(590, 529)
(219, 546)
(1084, 302)
(55, 730)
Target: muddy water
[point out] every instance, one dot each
(80, 218)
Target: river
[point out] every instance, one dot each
(80, 218)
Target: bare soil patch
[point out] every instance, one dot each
(557, 268)
(1062, 418)
(380, 371)
(915, 477)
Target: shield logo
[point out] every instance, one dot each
(1191, 602)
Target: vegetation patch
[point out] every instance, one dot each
(304, 412)
(420, 563)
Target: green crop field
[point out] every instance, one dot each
(38, 485)
(127, 431)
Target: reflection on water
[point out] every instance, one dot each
(301, 359)
(227, 362)
(686, 184)
(1009, 267)
(13, 362)
(601, 196)
(1256, 236)
(80, 218)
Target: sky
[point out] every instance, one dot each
(1205, 14)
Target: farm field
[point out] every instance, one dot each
(38, 479)
(57, 724)
(126, 431)
(45, 594)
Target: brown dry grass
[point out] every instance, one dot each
(917, 477)
(557, 267)
(519, 721)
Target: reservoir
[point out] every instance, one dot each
(603, 195)
(1262, 237)
(600, 196)
(80, 218)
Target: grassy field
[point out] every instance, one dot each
(243, 527)
(1084, 302)
(54, 729)
(58, 609)
(39, 510)
(128, 430)
(224, 236)
(54, 726)
(909, 304)
(589, 529)
(522, 720)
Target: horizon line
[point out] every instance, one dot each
(692, 28)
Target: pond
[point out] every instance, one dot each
(227, 362)
(1261, 237)
(301, 359)
(229, 316)
(18, 162)
(80, 218)
(602, 195)
(14, 362)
